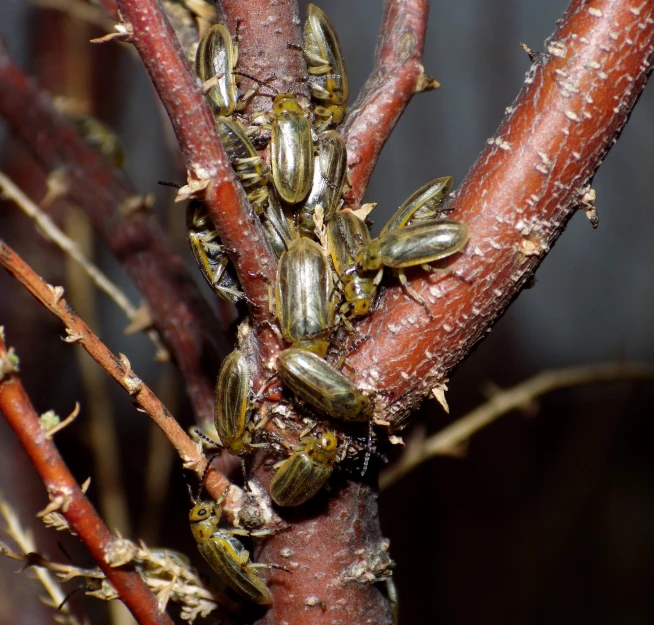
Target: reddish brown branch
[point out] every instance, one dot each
(396, 77)
(206, 161)
(336, 551)
(118, 368)
(73, 505)
(180, 313)
(516, 199)
(266, 52)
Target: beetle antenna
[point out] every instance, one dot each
(68, 596)
(164, 183)
(260, 395)
(206, 472)
(205, 438)
(263, 83)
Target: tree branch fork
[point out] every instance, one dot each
(516, 200)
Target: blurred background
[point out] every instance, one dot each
(550, 515)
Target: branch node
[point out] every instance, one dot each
(587, 202)
(531, 246)
(57, 293)
(426, 83)
(9, 362)
(193, 463)
(194, 189)
(72, 337)
(375, 565)
(57, 502)
(119, 552)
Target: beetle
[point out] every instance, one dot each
(245, 160)
(305, 472)
(328, 179)
(226, 554)
(277, 226)
(304, 301)
(423, 204)
(420, 243)
(232, 414)
(209, 253)
(312, 379)
(291, 145)
(346, 236)
(291, 149)
(328, 81)
(217, 56)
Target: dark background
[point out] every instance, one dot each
(550, 517)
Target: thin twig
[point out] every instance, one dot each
(67, 498)
(117, 367)
(102, 427)
(450, 440)
(49, 230)
(397, 76)
(167, 573)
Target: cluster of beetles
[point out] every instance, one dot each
(329, 268)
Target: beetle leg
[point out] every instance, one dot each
(412, 293)
(245, 475)
(446, 271)
(366, 460)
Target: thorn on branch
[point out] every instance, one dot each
(124, 32)
(194, 189)
(533, 55)
(132, 383)
(58, 502)
(438, 392)
(72, 337)
(426, 83)
(364, 210)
